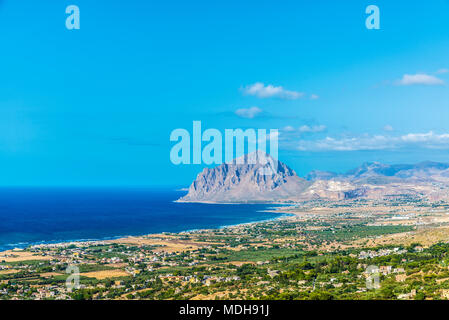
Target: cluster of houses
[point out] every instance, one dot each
(380, 253)
(82, 244)
(4, 267)
(386, 270)
(206, 280)
(40, 293)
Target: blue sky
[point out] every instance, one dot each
(96, 106)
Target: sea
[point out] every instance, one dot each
(31, 216)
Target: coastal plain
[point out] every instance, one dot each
(318, 249)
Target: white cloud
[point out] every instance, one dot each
(248, 113)
(419, 79)
(312, 129)
(442, 71)
(388, 128)
(261, 91)
(314, 97)
(430, 137)
(428, 140)
(288, 129)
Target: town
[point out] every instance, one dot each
(318, 250)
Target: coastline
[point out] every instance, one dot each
(230, 203)
(121, 238)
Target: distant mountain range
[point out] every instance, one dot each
(245, 180)
(375, 172)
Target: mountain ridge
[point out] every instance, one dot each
(248, 179)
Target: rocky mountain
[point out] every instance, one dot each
(256, 177)
(376, 181)
(379, 173)
(260, 178)
(320, 175)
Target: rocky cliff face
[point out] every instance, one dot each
(253, 178)
(260, 178)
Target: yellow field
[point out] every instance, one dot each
(12, 256)
(425, 237)
(117, 265)
(105, 274)
(240, 263)
(166, 245)
(50, 274)
(9, 271)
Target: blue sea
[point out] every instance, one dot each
(45, 215)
